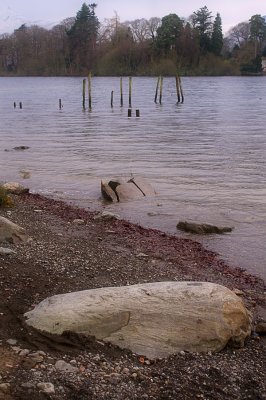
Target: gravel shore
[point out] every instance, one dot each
(72, 250)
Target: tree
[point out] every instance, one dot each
(239, 34)
(139, 29)
(257, 31)
(153, 25)
(217, 36)
(169, 32)
(82, 37)
(202, 22)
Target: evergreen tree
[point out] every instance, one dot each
(257, 31)
(202, 22)
(217, 36)
(169, 32)
(82, 38)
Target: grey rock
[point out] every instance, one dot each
(78, 221)
(261, 328)
(15, 188)
(202, 229)
(19, 148)
(12, 342)
(46, 387)
(108, 193)
(5, 251)
(122, 190)
(11, 232)
(63, 366)
(153, 319)
(128, 191)
(105, 215)
(142, 184)
(5, 388)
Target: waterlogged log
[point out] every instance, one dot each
(152, 319)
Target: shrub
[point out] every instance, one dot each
(5, 200)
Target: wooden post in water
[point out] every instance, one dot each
(129, 112)
(181, 90)
(177, 88)
(89, 89)
(83, 93)
(157, 88)
(20, 105)
(137, 113)
(112, 98)
(60, 104)
(121, 92)
(130, 91)
(15, 104)
(161, 90)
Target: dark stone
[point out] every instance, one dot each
(202, 229)
(21, 148)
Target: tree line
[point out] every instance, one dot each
(168, 45)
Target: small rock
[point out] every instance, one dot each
(28, 385)
(12, 342)
(142, 255)
(36, 358)
(238, 292)
(46, 387)
(11, 232)
(5, 388)
(38, 211)
(105, 215)
(202, 229)
(24, 352)
(62, 366)
(24, 174)
(113, 378)
(125, 370)
(19, 148)
(15, 188)
(16, 349)
(261, 328)
(5, 251)
(78, 221)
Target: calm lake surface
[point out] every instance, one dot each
(206, 158)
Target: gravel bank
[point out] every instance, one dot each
(67, 255)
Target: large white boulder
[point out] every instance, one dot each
(10, 232)
(153, 319)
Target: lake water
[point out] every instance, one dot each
(206, 158)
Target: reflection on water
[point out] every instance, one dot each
(205, 157)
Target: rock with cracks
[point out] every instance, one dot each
(120, 190)
(10, 232)
(152, 319)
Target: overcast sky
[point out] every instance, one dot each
(47, 13)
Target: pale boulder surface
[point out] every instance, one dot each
(15, 188)
(11, 232)
(153, 319)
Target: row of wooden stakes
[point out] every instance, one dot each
(159, 89)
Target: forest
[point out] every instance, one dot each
(159, 46)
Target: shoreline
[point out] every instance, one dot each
(66, 255)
